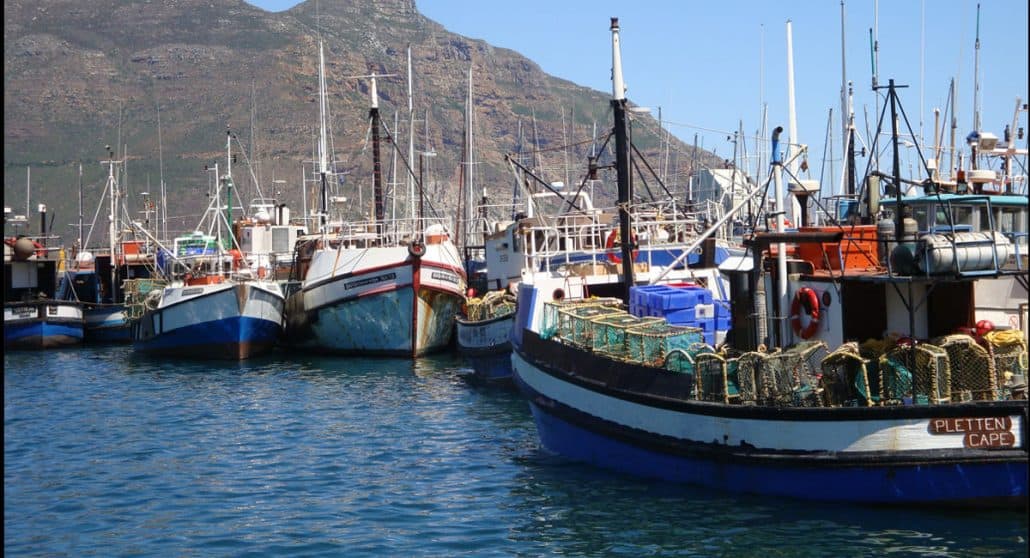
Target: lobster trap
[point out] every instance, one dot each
(919, 374)
(845, 378)
(650, 343)
(570, 320)
(787, 378)
(1009, 352)
(971, 368)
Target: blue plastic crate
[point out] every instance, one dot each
(680, 298)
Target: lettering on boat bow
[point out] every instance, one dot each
(369, 281)
(980, 432)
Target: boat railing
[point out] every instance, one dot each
(593, 239)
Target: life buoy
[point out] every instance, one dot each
(609, 244)
(417, 249)
(805, 300)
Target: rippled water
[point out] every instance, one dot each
(108, 453)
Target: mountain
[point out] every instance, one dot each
(81, 76)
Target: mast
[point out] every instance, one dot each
(81, 247)
(469, 179)
(112, 185)
(323, 145)
(976, 76)
(377, 171)
(850, 143)
(843, 84)
(393, 174)
(411, 146)
(954, 130)
(618, 104)
(161, 175)
(792, 122)
(781, 248)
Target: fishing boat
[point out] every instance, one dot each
(810, 400)
(215, 305)
(375, 287)
(33, 317)
(484, 333)
(100, 279)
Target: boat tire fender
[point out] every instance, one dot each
(417, 249)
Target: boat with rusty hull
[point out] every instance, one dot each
(377, 300)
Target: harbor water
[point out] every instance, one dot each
(107, 453)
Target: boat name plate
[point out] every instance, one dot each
(980, 432)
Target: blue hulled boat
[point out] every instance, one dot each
(33, 318)
(808, 399)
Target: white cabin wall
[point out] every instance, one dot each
(897, 313)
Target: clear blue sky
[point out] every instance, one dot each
(700, 60)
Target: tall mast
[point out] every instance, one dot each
(161, 175)
(844, 112)
(411, 146)
(781, 248)
(976, 76)
(469, 147)
(393, 174)
(377, 171)
(81, 247)
(323, 144)
(618, 104)
(112, 185)
(792, 122)
(954, 130)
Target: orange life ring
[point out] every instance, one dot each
(807, 300)
(609, 244)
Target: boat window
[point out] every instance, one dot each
(920, 214)
(1009, 220)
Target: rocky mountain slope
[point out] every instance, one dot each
(81, 76)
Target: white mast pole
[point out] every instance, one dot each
(792, 121)
(976, 76)
(844, 112)
(411, 148)
(323, 142)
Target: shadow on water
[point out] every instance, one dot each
(581, 510)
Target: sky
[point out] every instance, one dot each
(710, 66)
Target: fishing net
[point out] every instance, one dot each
(1009, 352)
(971, 368)
(608, 332)
(137, 293)
(712, 381)
(569, 319)
(649, 343)
(492, 305)
(919, 374)
(845, 378)
(682, 362)
(749, 377)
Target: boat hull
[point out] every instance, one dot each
(486, 346)
(587, 411)
(42, 325)
(386, 304)
(107, 324)
(222, 321)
